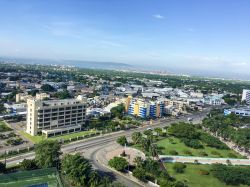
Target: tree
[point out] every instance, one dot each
(148, 132)
(63, 94)
(136, 137)
(183, 130)
(122, 140)
(47, 88)
(33, 92)
(152, 166)
(47, 153)
(145, 144)
(2, 167)
(118, 163)
(158, 130)
(94, 180)
(153, 150)
(28, 164)
(77, 169)
(140, 173)
(138, 161)
(118, 111)
(231, 175)
(179, 167)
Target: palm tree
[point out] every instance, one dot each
(94, 180)
(138, 161)
(136, 137)
(153, 150)
(145, 143)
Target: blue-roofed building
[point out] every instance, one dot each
(238, 111)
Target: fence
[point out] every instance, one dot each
(22, 176)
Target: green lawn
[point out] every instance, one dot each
(194, 178)
(167, 146)
(37, 139)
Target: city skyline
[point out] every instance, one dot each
(195, 36)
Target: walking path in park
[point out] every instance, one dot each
(204, 160)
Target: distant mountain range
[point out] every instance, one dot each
(75, 63)
(129, 67)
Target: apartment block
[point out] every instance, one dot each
(144, 109)
(246, 96)
(55, 117)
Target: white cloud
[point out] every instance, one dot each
(158, 16)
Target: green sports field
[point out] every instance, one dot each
(28, 178)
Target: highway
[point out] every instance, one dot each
(89, 147)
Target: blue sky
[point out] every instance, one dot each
(199, 35)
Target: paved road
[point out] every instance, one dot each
(101, 141)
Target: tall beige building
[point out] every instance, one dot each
(55, 117)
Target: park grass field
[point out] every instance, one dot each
(172, 143)
(37, 139)
(194, 179)
(28, 178)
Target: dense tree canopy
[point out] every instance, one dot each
(47, 153)
(28, 164)
(183, 130)
(47, 88)
(78, 169)
(118, 111)
(231, 175)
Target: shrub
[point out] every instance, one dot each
(179, 167)
(28, 164)
(118, 163)
(215, 153)
(173, 152)
(193, 143)
(203, 153)
(171, 140)
(203, 172)
(140, 173)
(187, 152)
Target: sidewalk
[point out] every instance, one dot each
(204, 160)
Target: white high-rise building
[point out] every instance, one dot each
(246, 96)
(55, 117)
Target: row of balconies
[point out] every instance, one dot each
(62, 112)
(61, 109)
(50, 116)
(60, 119)
(47, 125)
